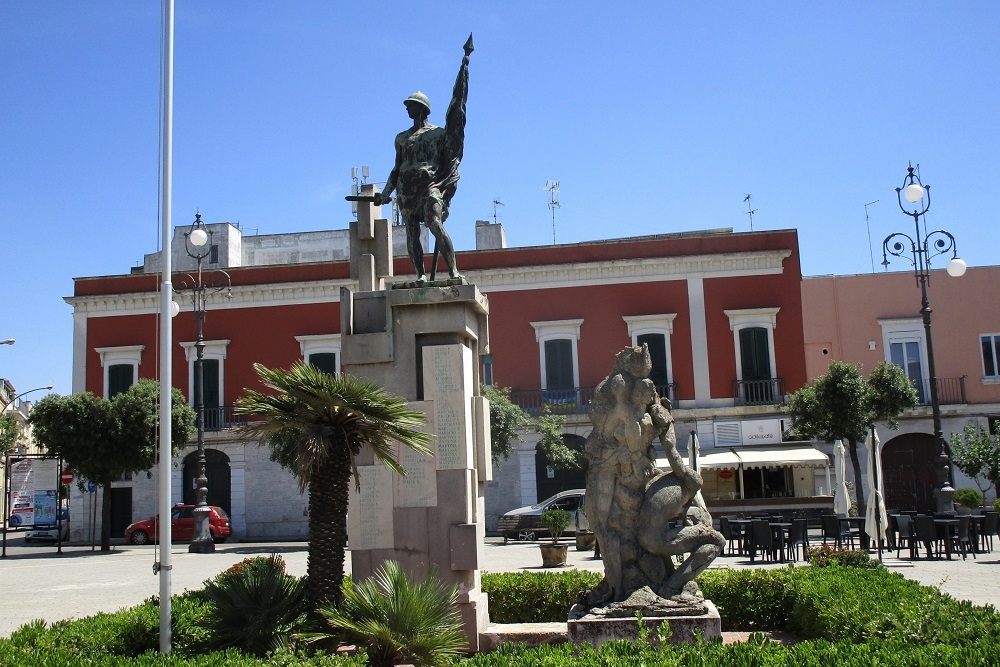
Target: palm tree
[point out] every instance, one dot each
(316, 424)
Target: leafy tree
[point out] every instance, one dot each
(976, 452)
(507, 421)
(10, 431)
(316, 425)
(550, 426)
(842, 404)
(102, 439)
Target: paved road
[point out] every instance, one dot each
(37, 583)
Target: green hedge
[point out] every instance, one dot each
(33, 656)
(846, 616)
(887, 653)
(749, 600)
(536, 597)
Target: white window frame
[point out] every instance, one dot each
(746, 318)
(555, 330)
(639, 325)
(318, 344)
(214, 349)
(905, 330)
(989, 379)
(123, 355)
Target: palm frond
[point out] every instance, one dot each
(321, 415)
(396, 619)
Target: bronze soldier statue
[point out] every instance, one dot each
(425, 175)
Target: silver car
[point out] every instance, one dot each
(524, 523)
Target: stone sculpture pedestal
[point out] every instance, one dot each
(683, 629)
(424, 344)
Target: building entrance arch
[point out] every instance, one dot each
(909, 471)
(219, 474)
(549, 481)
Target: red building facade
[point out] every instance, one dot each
(722, 313)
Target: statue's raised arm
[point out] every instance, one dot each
(455, 118)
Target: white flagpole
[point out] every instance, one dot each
(166, 328)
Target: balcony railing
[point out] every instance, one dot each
(951, 391)
(770, 391)
(566, 401)
(222, 418)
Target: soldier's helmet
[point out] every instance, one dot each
(419, 98)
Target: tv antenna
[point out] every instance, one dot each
(750, 211)
(552, 187)
(496, 202)
(356, 188)
(870, 251)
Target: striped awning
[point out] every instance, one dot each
(754, 457)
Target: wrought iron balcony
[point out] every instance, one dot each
(770, 391)
(951, 391)
(222, 418)
(566, 401)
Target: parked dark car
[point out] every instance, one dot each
(181, 526)
(524, 523)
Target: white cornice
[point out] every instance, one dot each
(585, 274)
(248, 296)
(580, 274)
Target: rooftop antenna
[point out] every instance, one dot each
(750, 211)
(356, 188)
(870, 251)
(496, 202)
(552, 187)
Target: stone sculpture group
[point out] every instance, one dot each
(644, 518)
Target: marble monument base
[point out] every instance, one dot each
(683, 629)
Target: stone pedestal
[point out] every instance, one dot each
(683, 629)
(424, 344)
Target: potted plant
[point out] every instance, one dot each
(968, 499)
(554, 554)
(585, 539)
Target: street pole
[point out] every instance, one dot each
(198, 245)
(923, 247)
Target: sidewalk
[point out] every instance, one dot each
(39, 584)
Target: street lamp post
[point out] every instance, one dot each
(197, 244)
(925, 246)
(23, 393)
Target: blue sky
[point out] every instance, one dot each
(658, 117)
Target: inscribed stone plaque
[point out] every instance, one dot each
(484, 436)
(418, 487)
(369, 513)
(448, 383)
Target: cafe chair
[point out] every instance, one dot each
(904, 534)
(798, 538)
(835, 529)
(962, 539)
(925, 532)
(729, 532)
(762, 540)
(991, 522)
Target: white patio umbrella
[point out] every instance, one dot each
(841, 503)
(694, 448)
(875, 524)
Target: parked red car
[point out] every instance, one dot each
(181, 526)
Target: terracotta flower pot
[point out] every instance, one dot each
(553, 555)
(585, 541)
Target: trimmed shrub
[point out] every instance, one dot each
(536, 597)
(749, 600)
(968, 498)
(827, 555)
(254, 606)
(863, 605)
(397, 620)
